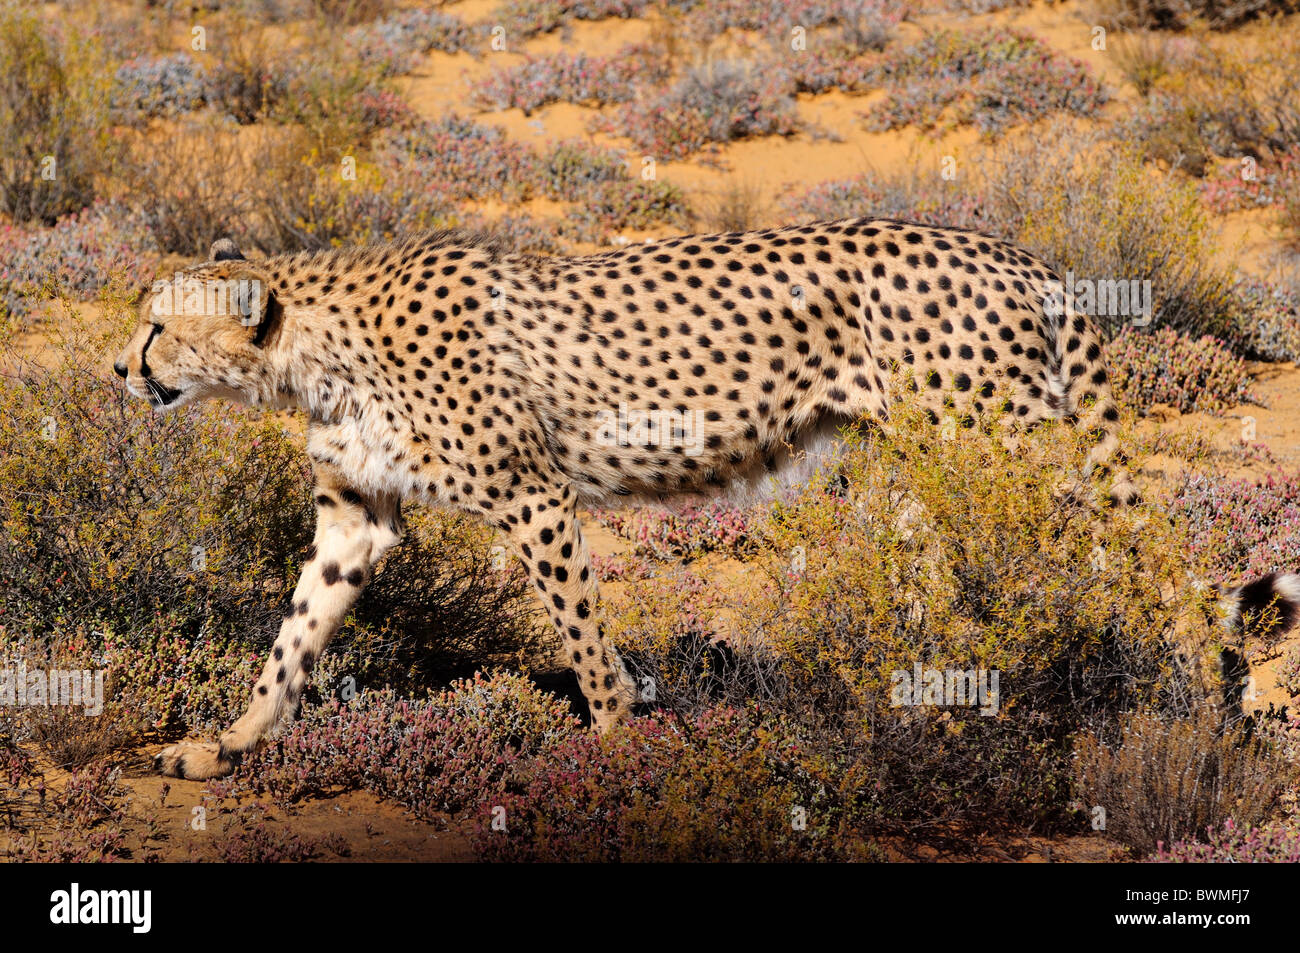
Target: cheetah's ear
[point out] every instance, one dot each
(225, 249)
(258, 308)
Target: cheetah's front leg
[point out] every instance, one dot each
(352, 532)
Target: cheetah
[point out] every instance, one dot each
(442, 369)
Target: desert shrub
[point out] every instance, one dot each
(628, 204)
(124, 31)
(774, 18)
(1182, 14)
(868, 25)
(70, 734)
(439, 608)
(530, 17)
(1147, 59)
(1171, 132)
(1241, 528)
(1092, 210)
(421, 174)
(1288, 673)
(1232, 185)
(163, 546)
(992, 78)
(55, 135)
(843, 58)
(685, 532)
(621, 568)
(607, 198)
(836, 56)
(166, 677)
(519, 234)
(735, 206)
(115, 511)
(328, 93)
(309, 204)
(1288, 179)
(248, 835)
(1165, 367)
(850, 590)
(574, 168)
(1267, 324)
(78, 256)
(1160, 781)
(460, 158)
(819, 71)
(153, 86)
(395, 43)
(983, 6)
(563, 77)
(198, 189)
(1235, 844)
(344, 12)
(888, 196)
(195, 190)
(1223, 102)
(686, 661)
(442, 753)
(254, 67)
(80, 823)
(718, 101)
(249, 75)
(727, 786)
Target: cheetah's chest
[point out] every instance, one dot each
(374, 457)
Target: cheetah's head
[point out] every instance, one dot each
(205, 333)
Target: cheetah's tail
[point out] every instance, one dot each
(1087, 399)
(1266, 607)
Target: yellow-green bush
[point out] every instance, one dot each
(952, 552)
(1225, 100)
(55, 137)
(1093, 208)
(113, 513)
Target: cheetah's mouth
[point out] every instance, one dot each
(160, 395)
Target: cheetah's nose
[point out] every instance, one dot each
(120, 370)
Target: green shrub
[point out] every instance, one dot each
(995, 574)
